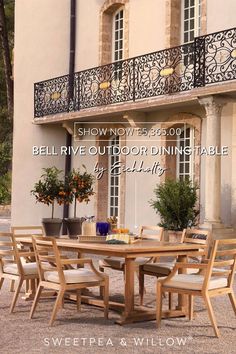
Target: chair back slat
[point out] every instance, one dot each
(9, 251)
(42, 248)
(43, 245)
(227, 253)
(197, 241)
(5, 243)
(223, 257)
(24, 231)
(223, 263)
(220, 273)
(46, 258)
(200, 237)
(154, 232)
(197, 236)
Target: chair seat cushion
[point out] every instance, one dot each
(194, 282)
(163, 268)
(29, 268)
(72, 276)
(119, 262)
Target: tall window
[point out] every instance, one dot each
(113, 195)
(191, 20)
(118, 41)
(185, 162)
(118, 35)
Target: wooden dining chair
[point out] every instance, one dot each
(12, 266)
(161, 268)
(118, 263)
(65, 280)
(216, 278)
(25, 231)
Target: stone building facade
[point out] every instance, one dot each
(190, 88)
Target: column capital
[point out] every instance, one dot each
(213, 104)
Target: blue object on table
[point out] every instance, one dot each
(102, 228)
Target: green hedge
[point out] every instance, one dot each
(5, 188)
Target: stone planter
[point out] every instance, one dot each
(174, 236)
(52, 227)
(74, 226)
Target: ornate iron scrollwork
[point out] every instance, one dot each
(210, 59)
(164, 72)
(51, 96)
(199, 61)
(220, 61)
(106, 84)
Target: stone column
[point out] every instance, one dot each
(213, 107)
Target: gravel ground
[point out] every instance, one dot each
(88, 332)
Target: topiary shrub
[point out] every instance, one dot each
(47, 189)
(175, 202)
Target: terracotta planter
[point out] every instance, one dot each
(174, 236)
(52, 227)
(74, 226)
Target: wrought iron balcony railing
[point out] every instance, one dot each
(208, 60)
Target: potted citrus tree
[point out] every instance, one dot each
(176, 203)
(78, 188)
(48, 191)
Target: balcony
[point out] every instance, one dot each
(209, 60)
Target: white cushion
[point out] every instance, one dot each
(194, 282)
(29, 268)
(119, 262)
(72, 276)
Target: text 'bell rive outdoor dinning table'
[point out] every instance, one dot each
(142, 248)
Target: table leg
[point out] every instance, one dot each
(132, 314)
(129, 285)
(182, 299)
(129, 291)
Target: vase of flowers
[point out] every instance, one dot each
(47, 191)
(112, 220)
(79, 188)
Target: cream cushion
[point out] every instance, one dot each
(119, 262)
(72, 276)
(29, 268)
(194, 282)
(163, 268)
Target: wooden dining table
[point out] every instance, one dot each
(141, 248)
